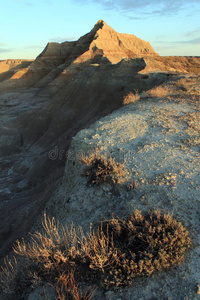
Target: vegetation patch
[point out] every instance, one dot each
(131, 97)
(111, 255)
(145, 244)
(67, 288)
(158, 92)
(101, 169)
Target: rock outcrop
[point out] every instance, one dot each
(11, 66)
(102, 43)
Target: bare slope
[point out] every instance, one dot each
(11, 66)
(158, 140)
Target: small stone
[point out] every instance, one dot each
(109, 294)
(99, 193)
(106, 188)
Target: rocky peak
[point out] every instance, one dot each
(101, 41)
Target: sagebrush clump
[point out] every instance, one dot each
(67, 288)
(110, 255)
(131, 97)
(101, 169)
(145, 244)
(158, 92)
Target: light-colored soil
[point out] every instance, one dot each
(158, 140)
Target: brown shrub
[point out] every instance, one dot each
(52, 249)
(98, 247)
(116, 252)
(158, 92)
(67, 288)
(131, 97)
(145, 244)
(101, 169)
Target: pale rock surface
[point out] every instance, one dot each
(158, 141)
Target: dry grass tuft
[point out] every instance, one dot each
(53, 248)
(158, 92)
(8, 275)
(67, 288)
(101, 169)
(131, 97)
(113, 254)
(49, 254)
(98, 247)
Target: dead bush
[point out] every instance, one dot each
(98, 247)
(113, 254)
(47, 255)
(131, 97)
(53, 249)
(145, 244)
(158, 92)
(67, 288)
(101, 169)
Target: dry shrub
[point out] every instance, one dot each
(158, 92)
(131, 97)
(181, 84)
(52, 249)
(101, 169)
(145, 244)
(8, 275)
(45, 256)
(116, 252)
(67, 288)
(98, 247)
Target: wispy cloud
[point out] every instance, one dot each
(194, 32)
(61, 39)
(192, 41)
(3, 50)
(34, 47)
(131, 7)
(25, 2)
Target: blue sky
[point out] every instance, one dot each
(26, 26)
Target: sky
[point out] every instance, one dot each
(26, 26)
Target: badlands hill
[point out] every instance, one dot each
(9, 67)
(69, 87)
(101, 44)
